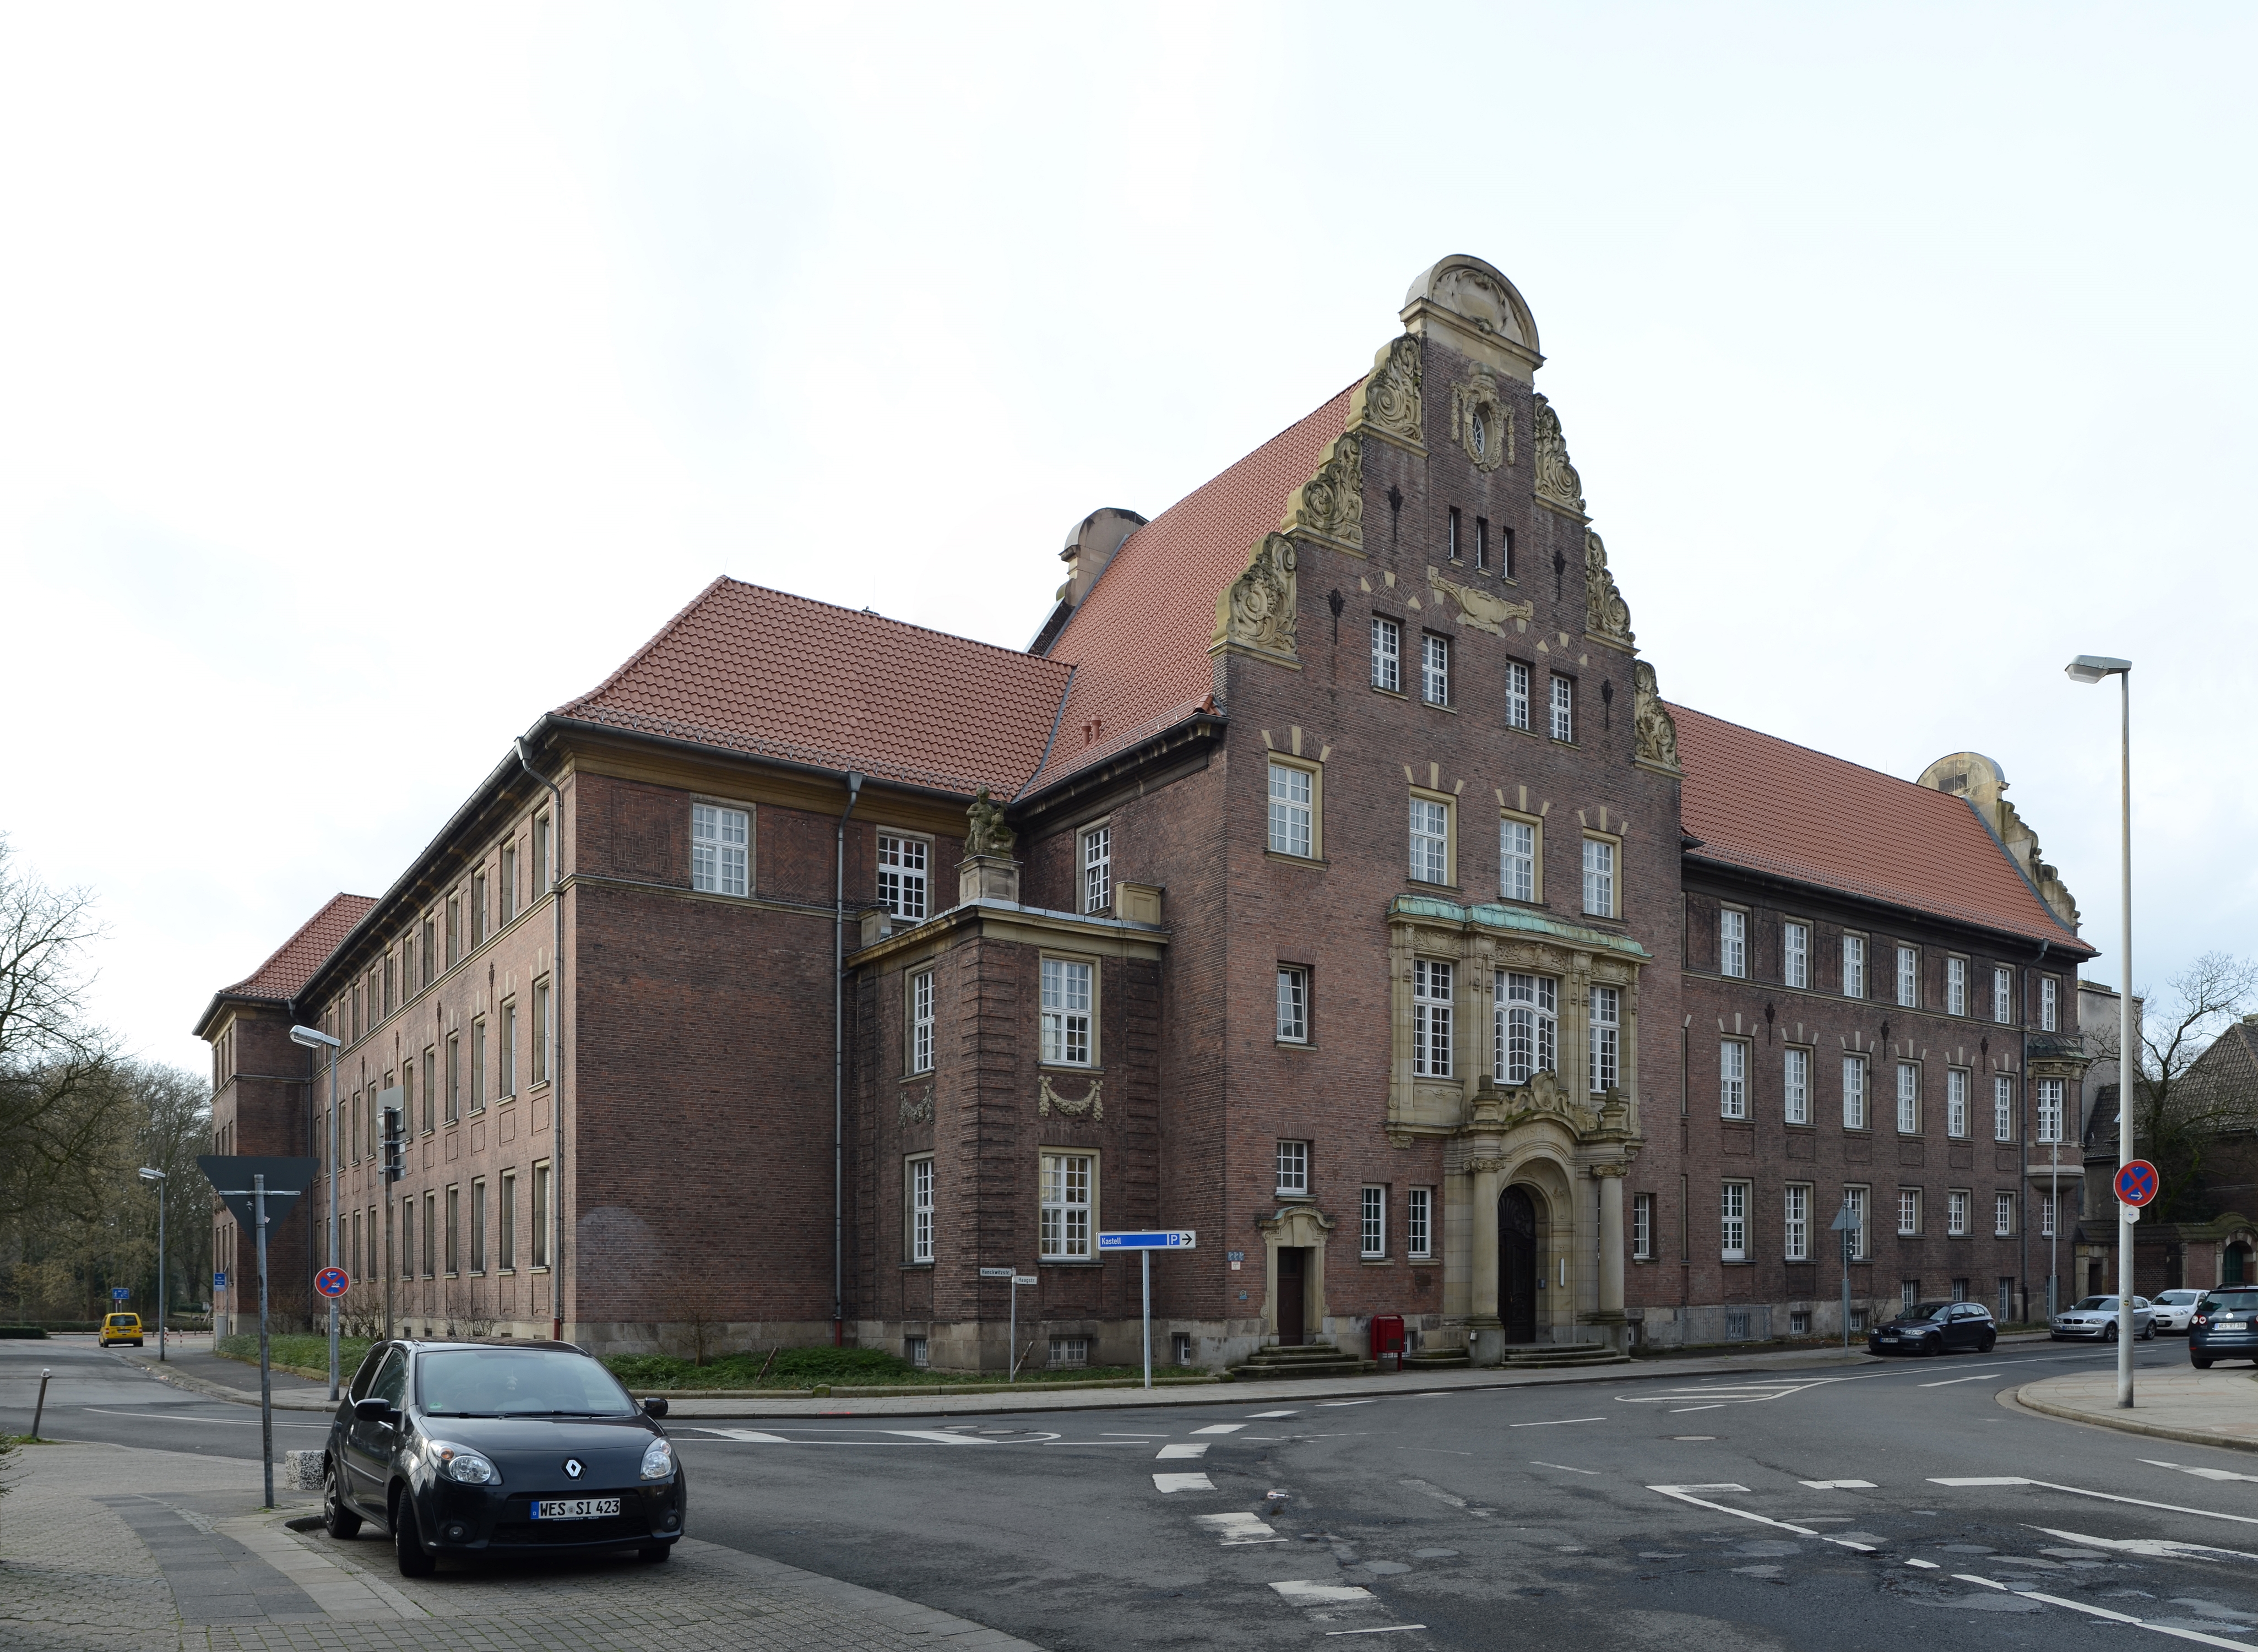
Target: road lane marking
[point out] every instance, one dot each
(752, 1436)
(1183, 1483)
(1390, 1628)
(2154, 1547)
(940, 1436)
(1948, 1381)
(1554, 1422)
(1220, 1428)
(1347, 1402)
(1239, 1530)
(224, 1422)
(1311, 1593)
(1684, 1494)
(2102, 1611)
(1271, 1416)
(1562, 1465)
(2207, 1474)
(1682, 1410)
(1840, 1486)
(2106, 1497)
(1167, 1452)
(1926, 1566)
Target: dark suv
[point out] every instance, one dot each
(1933, 1328)
(496, 1448)
(2225, 1326)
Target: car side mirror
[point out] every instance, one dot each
(371, 1411)
(654, 1406)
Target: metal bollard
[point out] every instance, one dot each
(39, 1410)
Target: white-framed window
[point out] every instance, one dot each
(1435, 670)
(2046, 1216)
(921, 1022)
(1956, 986)
(1854, 965)
(1419, 1222)
(1098, 868)
(1733, 1221)
(1795, 954)
(1642, 1227)
(1069, 1353)
(1516, 694)
(1856, 1114)
(1908, 978)
(1373, 1229)
(1387, 655)
(2003, 1108)
(917, 1351)
(1908, 1212)
(1956, 1102)
(2050, 1094)
(1909, 1293)
(1732, 1079)
(1955, 1213)
(1068, 987)
(2049, 1005)
(2003, 995)
(1293, 811)
(1795, 1079)
(2003, 1216)
(1564, 709)
(920, 1208)
(902, 874)
(1606, 1039)
(1795, 1228)
(1527, 1036)
(1430, 842)
(1293, 1004)
(1599, 878)
(1431, 1017)
(1732, 943)
(1294, 1167)
(1908, 1099)
(1516, 860)
(719, 841)
(1857, 1201)
(1070, 1204)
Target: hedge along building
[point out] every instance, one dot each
(1297, 886)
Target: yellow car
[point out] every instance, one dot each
(122, 1328)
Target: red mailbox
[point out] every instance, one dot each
(1387, 1337)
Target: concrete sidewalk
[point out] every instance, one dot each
(2202, 1407)
(108, 1547)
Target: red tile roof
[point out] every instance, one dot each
(295, 961)
(1138, 642)
(1770, 805)
(761, 672)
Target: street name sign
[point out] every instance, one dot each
(1026, 1279)
(1172, 1239)
(999, 1273)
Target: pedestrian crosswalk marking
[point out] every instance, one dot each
(1220, 1428)
(1236, 1530)
(1169, 1451)
(1840, 1486)
(1183, 1483)
(1304, 1593)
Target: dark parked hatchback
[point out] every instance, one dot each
(487, 1448)
(2224, 1327)
(1934, 1328)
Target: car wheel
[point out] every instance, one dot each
(2201, 1361)
(1931, 1347)
(653, 1553)
(2148, 1331)
(416, 1561)
(1991, 1339)
(2109, 1336)
(340, 1521)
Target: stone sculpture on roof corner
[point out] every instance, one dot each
(1331, 504)
(1255, 614)
(986, 832)
(1607, 616)
(1388, 404)
(1557, 481)
(1656, 729)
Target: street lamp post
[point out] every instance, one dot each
(158, 1176)
(2090, 668)
(315, 1038)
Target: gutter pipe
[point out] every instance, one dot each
(557, 1047)
(839, 1067)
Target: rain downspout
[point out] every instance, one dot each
(839, 1070)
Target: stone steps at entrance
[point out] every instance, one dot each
(1436, 1359)
(1549, 1354)
(1315, 1359)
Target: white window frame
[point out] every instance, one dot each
(1859, 1196)
(2051, 1097)
(2003, 1216)
(2049, 1005)
(1908, 1098)
(1956, 1090)
(1070, 1012)
(1795, 1084)
(2046, 1214)
(2003, 995)
(917, 1172)
(1956, 986)
(1605, 1039)
(1068, 1206)
(921, 1021)
(2003, 1107)
(1908, 1212)
(1733, 1221)
(1293, 809)
(1434, 668)
(1431, 841)
(1732, 1078)
(1599, 878)
(1096, 843)
(1419, 1223)
(1516, 695)
(1854, 965)
(1955, 1213)
(1293, 1004)
(1642, 1227)
(1857, 1094)
(1908, 978)
(1386, 654)
(720, 849)
(905, 876)
(1526, 1036)
(1372, 1226)
(1560, 709)
(1795, 1223)
(1732, 943)
(1433, 984)
(1795, 954)
(1516, 860)
(1293, 1167)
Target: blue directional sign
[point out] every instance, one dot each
(121, 1292)
(1176, 1239)
(219, 1279)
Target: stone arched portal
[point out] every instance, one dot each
(1520, 1261)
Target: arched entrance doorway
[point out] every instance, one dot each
(1517, 1264)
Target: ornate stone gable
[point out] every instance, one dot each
(1255, 614)
(1388, 404)
(1557, 484)
(1650, 720)
(1330, 506)
(1607, 616)
(1480, 424)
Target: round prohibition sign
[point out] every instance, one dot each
(332, 1281)
(2137, 1183)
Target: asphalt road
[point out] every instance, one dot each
(1800, 1510)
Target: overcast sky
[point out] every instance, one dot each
(371, 382)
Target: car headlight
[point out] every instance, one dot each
(460, 1463)
(658, 1461)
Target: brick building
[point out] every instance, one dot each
(1296, 886)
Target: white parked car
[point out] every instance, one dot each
(2174, 1308)
(2094, 1318)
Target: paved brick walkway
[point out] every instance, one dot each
(2219, 1407)
(105, 1547)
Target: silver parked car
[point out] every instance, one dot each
(2094, 1318)
(2175, 1308)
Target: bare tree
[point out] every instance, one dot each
(2177, 1119)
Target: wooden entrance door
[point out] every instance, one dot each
(1291, 1293)
(1517, 1264)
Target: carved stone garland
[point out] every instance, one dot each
(1480, 610)
(1606, 614)
(1091, 1105)
(1656, 733)
(919, 1111)
(1331, 504)
(1557, 481)
(1388, 403)
(1256, 611)
(1480, 424)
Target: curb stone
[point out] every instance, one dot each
(2128, 1425)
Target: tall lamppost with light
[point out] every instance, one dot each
(158, 1176)
(315, 1038)
(2094, 668)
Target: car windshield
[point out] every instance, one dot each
(1927, 1310)
(2097, 1305)
(2231, 1302)
(2180, 1299)
(518, 1382)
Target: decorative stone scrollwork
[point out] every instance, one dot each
(1331, 504)
(1479, 609)
(919, 1110)
(1091, 1105)
(1256, 611)
(1606, 614)
(1656, 733)
(1557, 481)
(1388, 403)
(1480, 424)
(986, 832)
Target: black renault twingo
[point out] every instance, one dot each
(499, 1447)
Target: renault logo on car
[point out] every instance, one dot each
(573, 1466)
